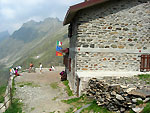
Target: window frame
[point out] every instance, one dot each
(145, 63)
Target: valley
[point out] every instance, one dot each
(33, 42)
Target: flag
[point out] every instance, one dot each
(58, 48)
(59, 43)
(58, 53)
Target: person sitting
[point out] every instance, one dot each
(52, 68)
(12, 71)
(63, 76)
(16, 71)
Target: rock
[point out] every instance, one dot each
(100, 104)
(137, 109)
(145, 91)
(117, 102)
(78, 111)
(114, 46)
(108, 96)
(122, 109)
(134, 100)
(116, 88)
(74, 110)
(119, 97)
(129, 103)
(93, 92)
(137, 94)
(113, 93)
(101, 100)
(124, 87)
(130, 89)
(146, 100)
(139, 99)
(2, 109)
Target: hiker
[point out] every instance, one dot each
(19, 67)
(63, 76)
(16, 71)
(31, 66)
(12, 71)
(52, 68)
(41, 67)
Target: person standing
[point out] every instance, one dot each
(31, 66)
(41, 67)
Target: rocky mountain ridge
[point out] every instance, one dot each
(33, 41)
(4, 35)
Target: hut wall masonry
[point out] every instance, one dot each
(115, 30)
(110, 36)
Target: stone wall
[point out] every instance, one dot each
(115, 25)
(108, 61)
(119, 98)
(109, 37)
(71, 76)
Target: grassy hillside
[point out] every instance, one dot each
(3, 35)
(10, 47)
(4, 75)
(34, 39)
(46, 50)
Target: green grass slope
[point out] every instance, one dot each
(46, 50)
(31, 40)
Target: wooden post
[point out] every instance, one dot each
(78, 85)
(11, 96)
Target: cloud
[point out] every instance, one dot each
(8, 13)
(13, 13)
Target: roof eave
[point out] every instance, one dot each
(75, 8)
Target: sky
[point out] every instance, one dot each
(13, 13)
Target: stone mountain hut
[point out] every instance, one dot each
(107, 38)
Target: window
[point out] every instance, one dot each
(145, 63)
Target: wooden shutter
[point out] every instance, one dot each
(145, 63)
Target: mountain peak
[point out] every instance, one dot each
(51, 19)
(32, 30)
(29, 23)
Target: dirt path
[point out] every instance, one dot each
(39, 92)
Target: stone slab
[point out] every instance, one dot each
(108, 73)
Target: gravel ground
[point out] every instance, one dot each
(37, 95)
